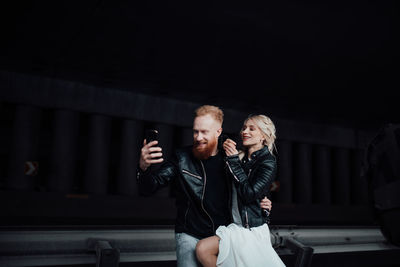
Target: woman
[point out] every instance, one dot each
(246, 242)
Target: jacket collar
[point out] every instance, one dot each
(257, 154)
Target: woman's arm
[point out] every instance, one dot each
(263, 178)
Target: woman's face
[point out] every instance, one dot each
(251, 134)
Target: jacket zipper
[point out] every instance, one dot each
(202, 197)
(191, 174)
(247, 217)
(230, 169)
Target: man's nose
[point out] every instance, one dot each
(198, 137)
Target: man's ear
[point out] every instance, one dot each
(219, 132)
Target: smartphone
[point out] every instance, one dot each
(151, 135)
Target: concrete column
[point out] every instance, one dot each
(341, 176)
(130, 145)
(359, 187)
(285, 171)
(97, 164)
(64, 151)
(302, 174)
(23, 149)
(322, 175)
(186, 137)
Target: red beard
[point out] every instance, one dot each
(204, 152)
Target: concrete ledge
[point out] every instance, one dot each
(61, 247)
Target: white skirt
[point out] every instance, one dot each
(242, 247)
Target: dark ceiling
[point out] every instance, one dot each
(326, 61)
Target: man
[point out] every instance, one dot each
(204, 200)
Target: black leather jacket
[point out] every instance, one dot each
(253, 180)
(189, 174)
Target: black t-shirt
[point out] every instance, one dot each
(216, 196)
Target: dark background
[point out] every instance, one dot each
(330, 61)
(325, 71)
(81, 80)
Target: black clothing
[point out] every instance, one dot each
(216, 196)
(253, 180)
(195, 214)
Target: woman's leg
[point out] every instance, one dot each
(207, 251)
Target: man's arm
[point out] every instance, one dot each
(149, 182)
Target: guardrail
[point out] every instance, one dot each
(111, 247)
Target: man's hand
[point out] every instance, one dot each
(266, 204)
(230, 147)
(150, 155)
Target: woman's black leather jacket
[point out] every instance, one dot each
(253, 179)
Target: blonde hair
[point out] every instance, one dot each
(214, 111)
(267, 128)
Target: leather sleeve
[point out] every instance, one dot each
(150, 181)
(263, 176)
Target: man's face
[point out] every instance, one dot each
(205, 136)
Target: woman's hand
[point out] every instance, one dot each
(266, 204)
(230, 147)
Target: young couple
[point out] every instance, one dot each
(221, 194)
